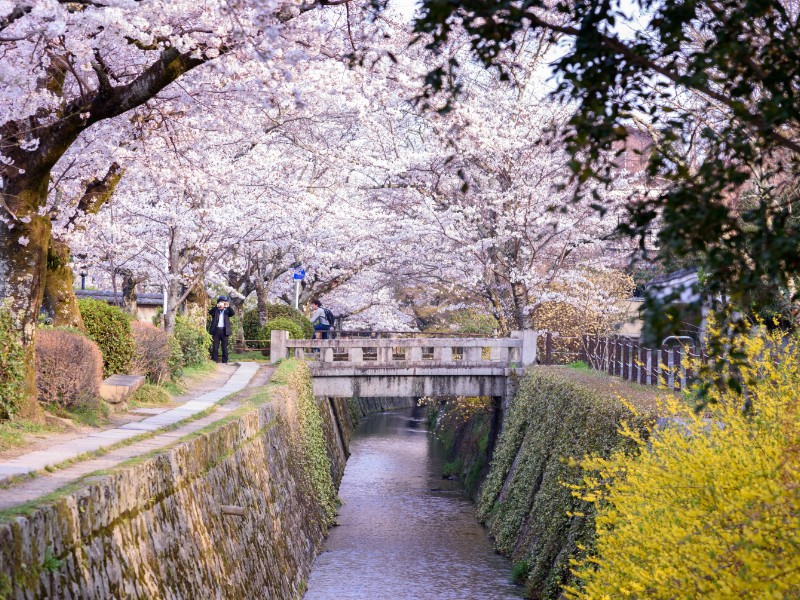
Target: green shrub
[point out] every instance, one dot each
(193, 339)
(110, 327)
(281, 323)
(149, 395)
(176, 360)
(250, 324)
(12, 368)
(252, 328)
(277, 311)
(520, 571)
(558, 414)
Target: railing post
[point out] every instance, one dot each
(356, 355)
(548, 349)
(277, 345)
(473, 354)
(626, 353)
(443, 354)
(414, 354)
(529, 338)
(499, 354)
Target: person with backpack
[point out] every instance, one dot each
(321, 318)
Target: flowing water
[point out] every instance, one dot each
(404, 532)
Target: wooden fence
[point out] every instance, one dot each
(669, 366)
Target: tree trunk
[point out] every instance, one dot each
(519, 294)
(24, 241)
(129, 296)
(59, 297)
(173, 303)
(499, 313)
(262, 300)
(25, 175)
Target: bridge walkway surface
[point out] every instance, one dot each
(17, 490)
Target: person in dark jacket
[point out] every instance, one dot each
(220, 328)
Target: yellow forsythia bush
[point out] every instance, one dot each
(709, 507)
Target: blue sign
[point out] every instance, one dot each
(299, 274)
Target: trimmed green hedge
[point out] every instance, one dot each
(253, 331)
(194, 341)
(281, 323)
(530, 512)
(12, 368)
(110, 327)
(250, 324)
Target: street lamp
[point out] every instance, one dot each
(83, 273)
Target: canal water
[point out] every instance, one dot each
(404, 532)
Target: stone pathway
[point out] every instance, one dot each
(41, 459)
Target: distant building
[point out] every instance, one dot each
(678, 286)
(630, 318)
(147, 304)
(682, 288)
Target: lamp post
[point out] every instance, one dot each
(83, 273)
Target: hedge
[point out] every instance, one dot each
(275, 311)
(557, 415)
(69, 368)
(281, 323)
(110, 327)
(194, 341)
(152, 352)
(12, 368)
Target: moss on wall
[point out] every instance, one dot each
(557, 414)
(155, 528)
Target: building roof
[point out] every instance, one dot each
(673, 277)
(143, 299)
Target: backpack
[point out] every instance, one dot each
(329, 316)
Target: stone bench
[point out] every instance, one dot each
(116, 388)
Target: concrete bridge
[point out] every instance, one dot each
(411, 366)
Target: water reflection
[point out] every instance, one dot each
(404, 531)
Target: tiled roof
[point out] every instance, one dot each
(668, 277)
(143, 299)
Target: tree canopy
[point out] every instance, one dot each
(714, 83)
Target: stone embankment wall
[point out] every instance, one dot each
(156, 529)
(361, 407)
(557, 414)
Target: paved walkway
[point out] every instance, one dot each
(41, 459)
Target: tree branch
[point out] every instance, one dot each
(634, 58)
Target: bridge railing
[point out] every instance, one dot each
(518, 350)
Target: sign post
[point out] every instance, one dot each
(298, 275)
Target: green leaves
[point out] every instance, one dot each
(719, 82)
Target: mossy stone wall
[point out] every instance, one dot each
(557, 414)
(155, 529)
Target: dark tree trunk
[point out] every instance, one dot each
(262, 301)
(59, 300)
(129, 296)
(23, 265)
